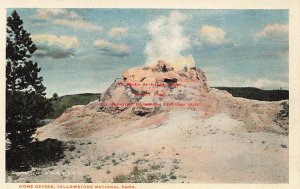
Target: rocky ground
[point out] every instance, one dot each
(213, 138)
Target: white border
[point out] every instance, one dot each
(294, 68)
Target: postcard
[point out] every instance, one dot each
(175, 95)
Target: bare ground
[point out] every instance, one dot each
(232, 141)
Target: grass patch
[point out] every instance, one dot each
(173, 177)
(163, 176)
(155, 166)
(144, 175)
(98, 167)
(66, 162)
(152, 177)
(87, 179)
(114, 162)
(136, 176)
(140, 161)
(176, 161)
(175, 167)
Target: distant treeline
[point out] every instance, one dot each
(64, 102)
(257, 94)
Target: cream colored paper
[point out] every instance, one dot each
(294, 69)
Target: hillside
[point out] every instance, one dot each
(64, 102)
(256, 94)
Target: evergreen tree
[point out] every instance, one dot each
(54, 96)
(26, 103)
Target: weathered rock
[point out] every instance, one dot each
(145, 90)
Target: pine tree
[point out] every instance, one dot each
(54, 96)
(26, 103)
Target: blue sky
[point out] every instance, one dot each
(84, 50)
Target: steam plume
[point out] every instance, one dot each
(167, 39)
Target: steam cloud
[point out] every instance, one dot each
(167, 39)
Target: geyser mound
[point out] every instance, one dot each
(164, 85)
